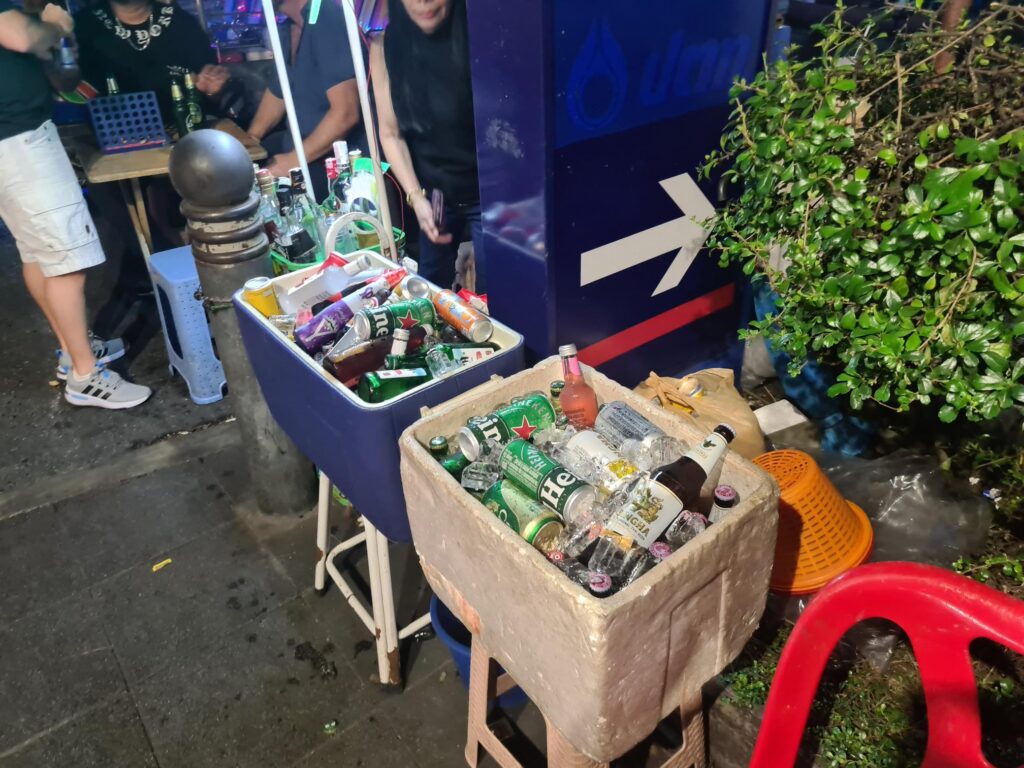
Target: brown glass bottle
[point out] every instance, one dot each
(685, 477)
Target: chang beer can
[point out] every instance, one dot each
(545, 480)
(381, 321)
(537, 524)
(516, 420)
(259, 292)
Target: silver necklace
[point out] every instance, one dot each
(138, 39)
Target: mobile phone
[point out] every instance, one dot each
(437, 206)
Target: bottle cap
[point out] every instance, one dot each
(660, 550)
(438, 443)
(725, 496)
(567, 350)
(726, 431)
(401, 334)
(557, 386)
(340, 150)
(600, 583)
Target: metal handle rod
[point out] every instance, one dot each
(286, 93)
(356, 46)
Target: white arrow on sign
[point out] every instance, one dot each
(683, 233)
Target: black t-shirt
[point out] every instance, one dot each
(142, 57)
(25, 101)
(432, 96)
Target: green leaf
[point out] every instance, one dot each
(901, 287)
(845, 85)
(848, 321)
(887, 156)
(921, 161)
(942, 131)
(861, 174)
(997, 363)
(838, 389)
(1002, 284)
(989, 41)
(1006, 218)
(947, 414)
(915, 194)
(882, 394)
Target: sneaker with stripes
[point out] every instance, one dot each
(104, 388)
(105, 351)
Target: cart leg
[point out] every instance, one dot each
(480, 671)
(142, 217)
(133, 216)
(322, 525)
(393, 664)
(692, 753)
(562, 754)
(376, 600)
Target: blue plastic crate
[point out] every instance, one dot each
(127, 121)
(354, 442)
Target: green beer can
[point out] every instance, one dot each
(537, 524)
(377, 322)
(545, 480)
(518, 420)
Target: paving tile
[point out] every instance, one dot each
(142, 518)
(54, 663)
(260, 699)
(431, 720)
(170, 617)
(108, 736)
(37, 563)
(228, 469)
(368, 743)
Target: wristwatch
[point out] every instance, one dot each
(409, 195)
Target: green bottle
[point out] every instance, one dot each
(378, 386)
(394, 362)
(193, 103)
(181, 122)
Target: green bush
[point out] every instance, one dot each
(894, 194)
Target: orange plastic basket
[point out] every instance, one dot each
(821, 534)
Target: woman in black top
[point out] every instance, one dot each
(144, 45)
(420, 73)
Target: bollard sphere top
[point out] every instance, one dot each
(211, 168)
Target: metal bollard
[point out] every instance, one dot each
(213, 174)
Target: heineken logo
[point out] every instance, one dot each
(555, 485)
(408, 321)
(380, 324)
(525, 430)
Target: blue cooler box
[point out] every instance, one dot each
(355, 443)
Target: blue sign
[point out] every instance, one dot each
(592, 119)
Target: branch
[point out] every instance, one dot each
(952, 307)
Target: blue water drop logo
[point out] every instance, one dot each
(598, 81)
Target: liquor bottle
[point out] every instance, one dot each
(269, 210)
(181, 121)
(578, 399)
(671, 490)
(446, 358)
(383, 385)
(304, 210)
(332, 204)
(112, 87)
(295, 241)
(193, 102)
(349, 365)
(725, 499)
(64, 71)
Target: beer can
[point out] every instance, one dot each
(259, 292)
(516, 420)
(545, 480)
(471, 323)
(589, 446)
(381, 321)
(414, 287)
(617, 423)
(529, 518)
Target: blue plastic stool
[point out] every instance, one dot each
(186, 329)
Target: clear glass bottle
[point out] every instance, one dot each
(305, 212)
(578, 399)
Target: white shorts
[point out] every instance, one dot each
(42, 205)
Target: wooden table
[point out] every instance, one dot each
(127, 168)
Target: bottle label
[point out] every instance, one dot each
(402, 373)
(647, 513)
(468, 355)
(708, 452)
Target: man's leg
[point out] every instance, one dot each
(35, 281)
(65, 296)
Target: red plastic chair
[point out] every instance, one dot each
(941, 612)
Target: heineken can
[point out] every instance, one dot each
(617, 422)
(515, 420)
(381, 321)
(537, 524)
(546, 481)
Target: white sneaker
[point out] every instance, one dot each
(105, 389)
(105, 351)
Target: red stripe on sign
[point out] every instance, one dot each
(657, 326)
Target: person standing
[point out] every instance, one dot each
(42, 205)
(421, 79)
(322, 79)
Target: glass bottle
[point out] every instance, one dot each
(181, 121)
(349, 365)
(294, 240)
(193, 103)
(270, 212)
(305, 212)
(384, 385)
(578, 399)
